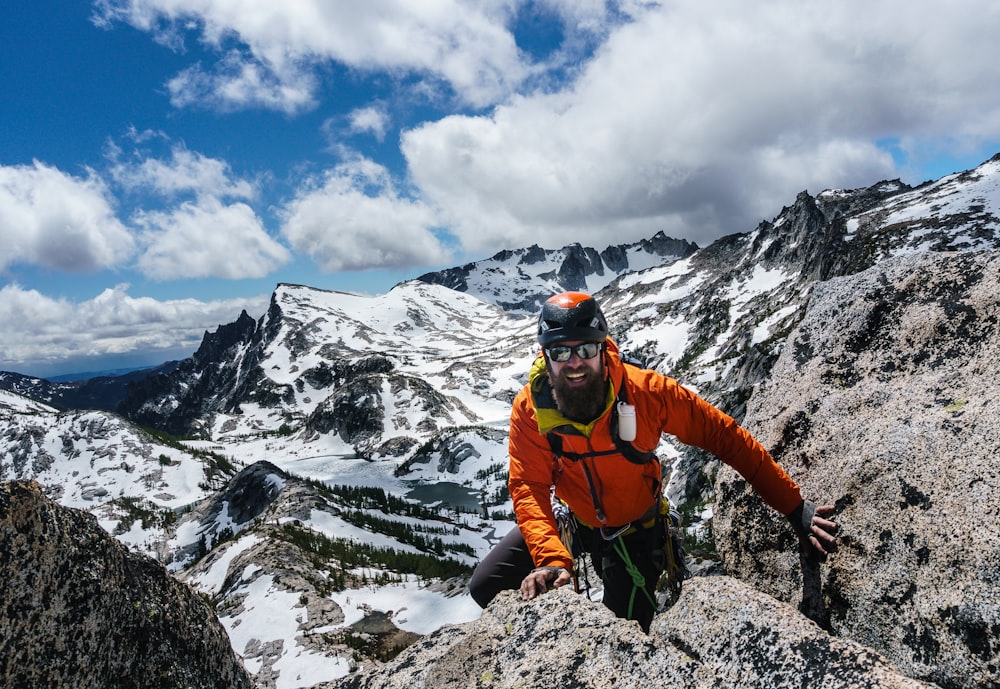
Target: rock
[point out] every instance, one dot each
(78, 609)
(720, 633)
(749, 639)
(886, 401)
(558, 640)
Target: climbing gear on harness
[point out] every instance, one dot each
(675, 570)
(665, 549)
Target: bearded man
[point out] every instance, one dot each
(584, 429)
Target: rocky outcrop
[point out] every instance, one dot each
(78, 609)
(226, 512)
(886, 402)
(749, 639)
(218, 377)
(719, 634)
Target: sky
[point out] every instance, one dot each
(165, 163)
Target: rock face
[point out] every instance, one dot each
(78, 609)
(886, 401)
(749, 639)
(177, 399)
(720, 633)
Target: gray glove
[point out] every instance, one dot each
(801, 519)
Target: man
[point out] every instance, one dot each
(568, 433)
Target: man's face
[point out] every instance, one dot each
(578, 383)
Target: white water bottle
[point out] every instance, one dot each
(626, 422)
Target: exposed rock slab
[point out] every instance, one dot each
(720, 633)
(886, 400)
(749, 639)
(558, 640)
(77, 609)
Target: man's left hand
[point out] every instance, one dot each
(540, 580)
(822, 530)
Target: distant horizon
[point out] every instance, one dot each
(87, 375)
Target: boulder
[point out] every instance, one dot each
(720, 634)
(77, 609)
(886, 402)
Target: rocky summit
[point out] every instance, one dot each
(720, 634)
(77, 609)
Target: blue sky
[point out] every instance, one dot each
(165, 163)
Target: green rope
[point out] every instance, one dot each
(638, 581)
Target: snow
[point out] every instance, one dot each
(265, 617)
(13, 403)
(763, 329)
(428, 332)
(413, 607)
(335, 527)
(211, 580)
(670, 336)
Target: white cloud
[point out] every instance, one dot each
(52, 219)
(185, 172)
(373, 120)
(465, 44)
(207, 239)
(701, 119)
(355, 220)
(53, 330)
(239, 81)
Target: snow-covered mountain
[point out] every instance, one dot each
(404, 397)
(519, 280)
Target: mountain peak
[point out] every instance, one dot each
(519, 280)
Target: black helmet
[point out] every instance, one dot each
(571, 316)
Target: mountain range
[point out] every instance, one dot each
(328, 472)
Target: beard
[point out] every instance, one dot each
(582, 403)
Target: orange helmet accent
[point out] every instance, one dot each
(568, 300)
(571, 316)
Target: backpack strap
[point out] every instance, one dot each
(555, 442)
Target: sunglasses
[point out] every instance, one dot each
(562, 353)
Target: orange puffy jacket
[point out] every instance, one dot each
(625, 491)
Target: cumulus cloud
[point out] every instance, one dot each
(467, 45)
(207, 239)
(241, 81)
(113, 322)
(701, 119)
(52, 219)
(184, 172)
(354, 219)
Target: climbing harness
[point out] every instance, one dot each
(675, 570)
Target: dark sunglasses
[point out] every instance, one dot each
(585, 350)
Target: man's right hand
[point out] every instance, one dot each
(542, 579)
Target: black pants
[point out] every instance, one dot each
(506, 565)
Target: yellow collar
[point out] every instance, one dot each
(547, 414)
